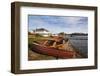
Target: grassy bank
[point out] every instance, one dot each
(36, 56)
(33, 38)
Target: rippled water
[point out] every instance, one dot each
(80, 43)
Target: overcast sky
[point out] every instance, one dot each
(56, 24)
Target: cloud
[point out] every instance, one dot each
(59, 23)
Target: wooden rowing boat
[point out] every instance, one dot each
(52, 51)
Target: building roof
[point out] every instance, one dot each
(41, 29)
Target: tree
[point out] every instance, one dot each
(61, 33)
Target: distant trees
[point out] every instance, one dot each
(85, 34)
(61, 33)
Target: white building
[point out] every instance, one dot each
(42, 32)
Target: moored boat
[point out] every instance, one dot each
(52, 51)
(58, 48)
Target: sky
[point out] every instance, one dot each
(57, 24)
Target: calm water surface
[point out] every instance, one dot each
(80, 43)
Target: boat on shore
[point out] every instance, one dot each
(55, 48)
(52, 51)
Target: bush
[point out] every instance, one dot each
(38, 35)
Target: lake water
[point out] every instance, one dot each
(80, 43)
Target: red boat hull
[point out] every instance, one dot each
(52, 51)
